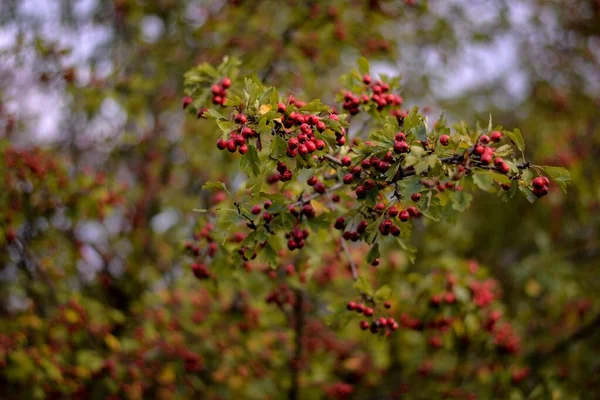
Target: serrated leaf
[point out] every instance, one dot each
(561, 176)
(517, 139)
(383, 293)
(426, 163)
(215, 185)
(269, 254)
(419, 132)
(214, 114)
(483, 180)
(315, 106)
(503, 151)
(460, 200)
(250, 161)
(527, 193)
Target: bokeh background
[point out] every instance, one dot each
(101, 171)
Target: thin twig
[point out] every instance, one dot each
(352, 264)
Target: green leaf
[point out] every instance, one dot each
(250, 161)
(215, 185)
(214, 114)
(315, 106)
(560, 175)
(483, 180)
(426, 163)
(373, 253)
(383, 293)
(320, 222)
(412, 119)
(419, 132)
(270, 255)
(528, 193)
(460, 200)
(363, 65)
(517, 139)
(363, 286)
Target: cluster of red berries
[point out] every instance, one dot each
(447, 297)
(281, 295)
(486, 153)
(296, 238)
(267, 216)
(400, 145)
(237, 139)
(201, 271)
(219, 91)
(283, 174)
(316, 184)
(377, 325)
(304, 142)
(340, 224)
(378, 95)
(540, 186)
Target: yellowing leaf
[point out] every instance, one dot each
(167, 375)
(265, 108)
(112, 342)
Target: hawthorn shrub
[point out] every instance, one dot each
(497, 302)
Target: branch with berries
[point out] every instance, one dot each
(306, 173)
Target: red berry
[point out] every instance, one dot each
(362, 226)
(267, 204)
(364, 325)
(231, 146)
(366, 79)
(538, 183)
(413, 211)
(243, 149)
(504, 168)
(240, 118)
(387, 305)
(351, 306)
(498, 161)
(444, 140)
(312, 181)
(415, 197)
(319, 187)
(484, 139)
(400, 136)
(496, 136)
(404, 215)
(187, 100)
(539, 193)
(486, 159)
(226, 82)
(281, 108)
(256, 210)
(392, 211)
(348, 178)
(401, 147)
(368, 311)
(340, 223)
(346, 161)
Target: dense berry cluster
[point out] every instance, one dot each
(540, 186)
(375, 93)
(377, 325)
